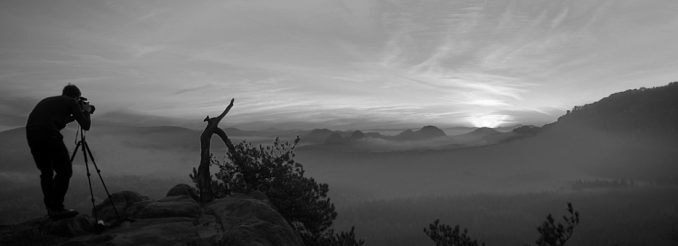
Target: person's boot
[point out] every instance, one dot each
(57, 214)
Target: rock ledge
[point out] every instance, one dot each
(177, 219)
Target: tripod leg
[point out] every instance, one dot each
(75, 151)
(89, 179)
(86, 147)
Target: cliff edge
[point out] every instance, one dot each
(177, 219)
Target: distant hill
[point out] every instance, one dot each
(327, 136)
(270, 132)
(482, 132)
(14, 153)
(317, 136)
(642, 111)
(428, 137)
(485, 136)
(357, 135)
(237, 132)
(627, 134)
(336, 138)
(133, 149)
(112, 143)
(426, 132)
(649, 110)
(527, 130)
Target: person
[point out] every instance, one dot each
(49, 152)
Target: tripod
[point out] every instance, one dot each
(82, 143)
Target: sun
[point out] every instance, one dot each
(488, 120)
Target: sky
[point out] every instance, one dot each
(341, 64)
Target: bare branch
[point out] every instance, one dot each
(204, 176)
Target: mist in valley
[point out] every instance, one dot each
(499, 184)
(489, 115)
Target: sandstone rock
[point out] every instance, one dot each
(132, 205)
(245, 220)
(156, 231)
(252, 222)
(183, 189)
(127, 203)
(258, 195)
(44, 231)
(173, 206)
(78, 225)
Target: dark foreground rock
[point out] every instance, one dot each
(174, 220)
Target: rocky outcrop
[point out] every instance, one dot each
(177, 219)
(43, 231)
(251, 222)
(183, 189)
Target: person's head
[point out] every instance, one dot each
(71, 90)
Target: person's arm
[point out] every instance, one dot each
(81, 117)
(70, 119)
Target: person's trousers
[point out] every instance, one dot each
(51, 157)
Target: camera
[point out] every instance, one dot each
(85, 105)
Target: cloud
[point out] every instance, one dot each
(385, 61)
(143, 50)
(14, 110)
(487, 102)
(489, 120)
(194, 89)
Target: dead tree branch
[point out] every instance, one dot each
(204, 176)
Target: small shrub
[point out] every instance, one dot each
(272, 170)
(445, 235)
(342, 239)
(552, 234)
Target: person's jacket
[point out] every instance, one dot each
(53, 113)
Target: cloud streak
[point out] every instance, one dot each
(343, 63)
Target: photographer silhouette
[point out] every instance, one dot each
(51, 156)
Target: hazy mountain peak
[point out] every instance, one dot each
(527, 130)
(317, 135)
(335, 138)
(432, 131)
(357, 135)
(425, 132)
(485, 130)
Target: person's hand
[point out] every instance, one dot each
(87, 108)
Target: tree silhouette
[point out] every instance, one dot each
(445, 235)
(550, 233)
(203, 173)
(273, 170)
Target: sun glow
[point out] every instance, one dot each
(488, 120)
